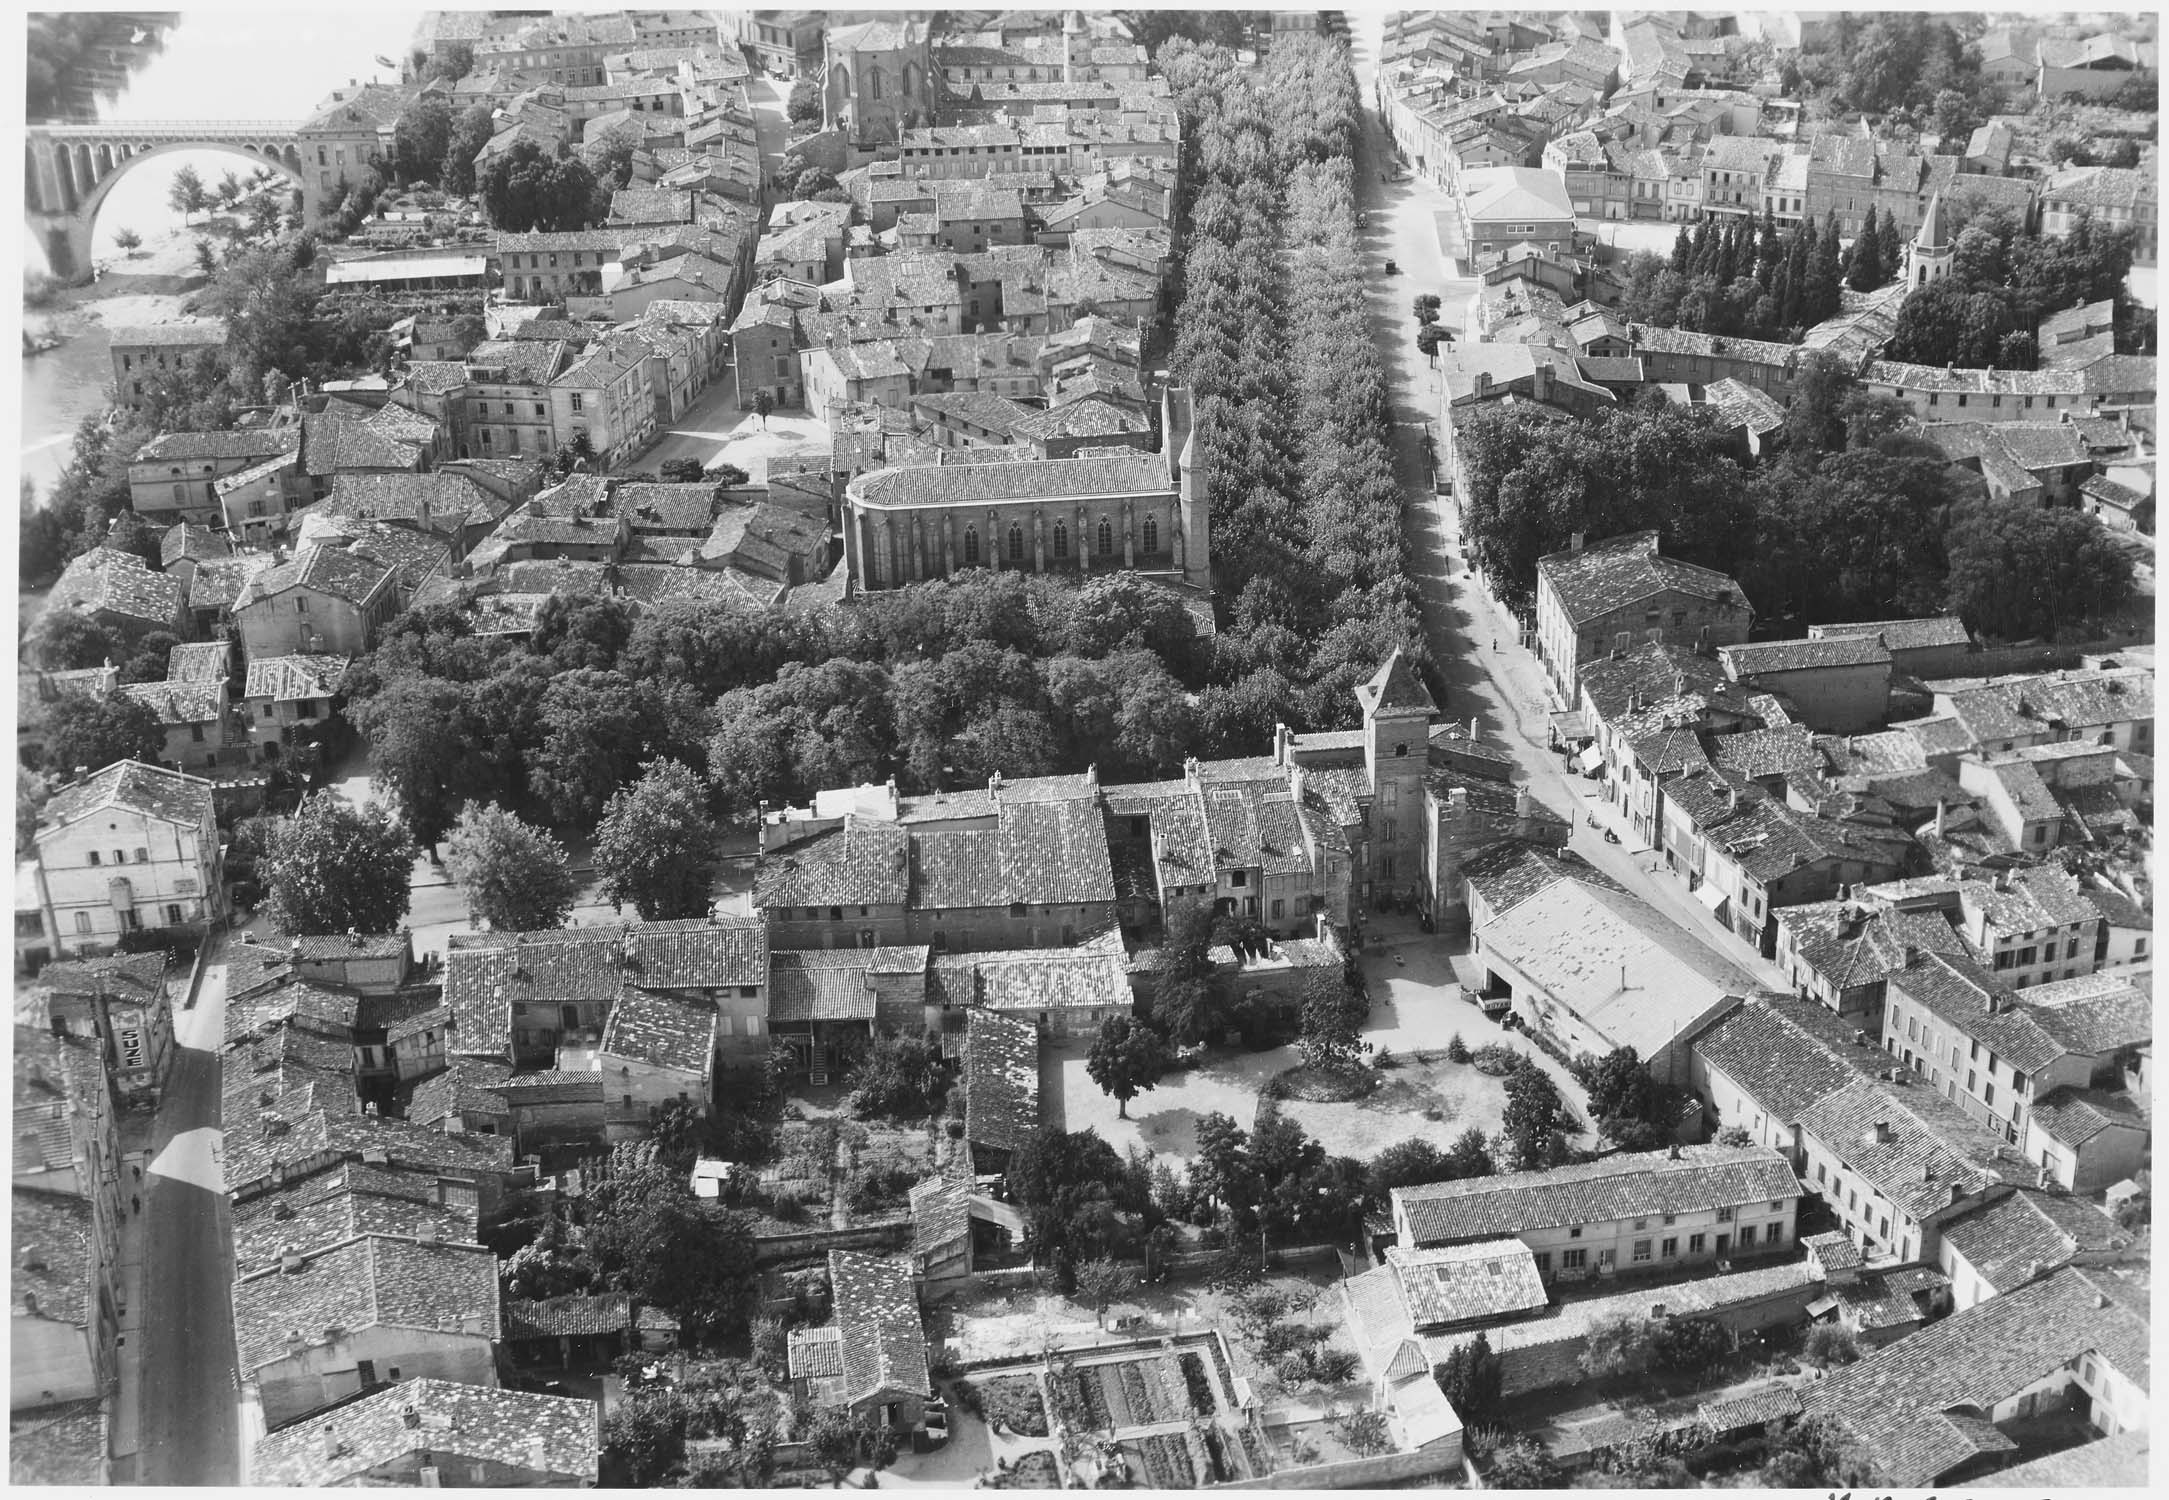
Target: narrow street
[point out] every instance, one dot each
(188, 1421)
(1488, 676)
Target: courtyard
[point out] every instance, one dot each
(1417, 1008)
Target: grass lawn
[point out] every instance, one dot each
(1414, 1013)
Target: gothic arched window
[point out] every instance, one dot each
(1061, 540)
(1016, 543)
(1107, 538)
(971, 546)
(1152, 534)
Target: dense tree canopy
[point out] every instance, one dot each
(525, 188)
(1533, 480)
(2017, 572)
(656, 847)
(335, 868)
(2003, 282)
(514, 875)
(92, 730)
(420, 137)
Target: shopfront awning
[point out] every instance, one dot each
(1710, 896)
(1590, 758)
(1570, 724)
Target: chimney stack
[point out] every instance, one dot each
(291, 1260)
(1943, 814)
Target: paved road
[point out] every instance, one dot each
(189, 1412)
(1488, 676)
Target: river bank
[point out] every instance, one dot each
(65, 384)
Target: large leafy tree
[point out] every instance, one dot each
(420, 137)
(597, 728)
(816, 725)
(64, 640)
(334, 868)
(425, 749)
(1332, 1021)
(1535, 1116)
(650, 1236)
(2017, 572)
(93, 730)
(468, 134)
(526, 188)
(609, 154)
(1126, 1058)
(656, 845)
(899, 1076)
(1066, 1182)
(515, 876)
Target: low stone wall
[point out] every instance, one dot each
(1546, 1352)
(1358, 1473)
(886, 1234)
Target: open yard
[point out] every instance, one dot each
(1415, 1012)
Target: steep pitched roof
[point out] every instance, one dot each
(1396, 687)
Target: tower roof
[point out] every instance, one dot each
(1395, 688)
(1933, 235)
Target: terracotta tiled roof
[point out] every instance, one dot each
(333, 1207)
(1042, 479)
(121, 583)
(478, 1423)
(819, 985)
(1760, 657)
(660, 1030)
(1612, 574)
(884, 1340)
(575, 1315)
(55, 1257)
(373, 1281)
(1894, 1403)
(132, 786)
(1001, 1080)
(1909, 1143)
(67, 1444)
(293, 679)
(1636, 1184)
(2027, 1233)
(1480, 1280)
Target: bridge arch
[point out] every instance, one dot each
(84, 173)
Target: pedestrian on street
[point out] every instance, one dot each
(136, 1203)
(137, 1168)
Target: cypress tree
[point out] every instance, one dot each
(1683, 251)
(1893, 248)
(1864, 270)
(1819, 299)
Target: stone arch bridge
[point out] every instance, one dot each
(69, 169)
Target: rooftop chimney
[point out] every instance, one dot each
(291, 1260)
(1943, 814)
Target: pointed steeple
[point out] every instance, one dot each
(1396, 687)
(1933, 235)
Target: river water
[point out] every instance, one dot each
(212, 65)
